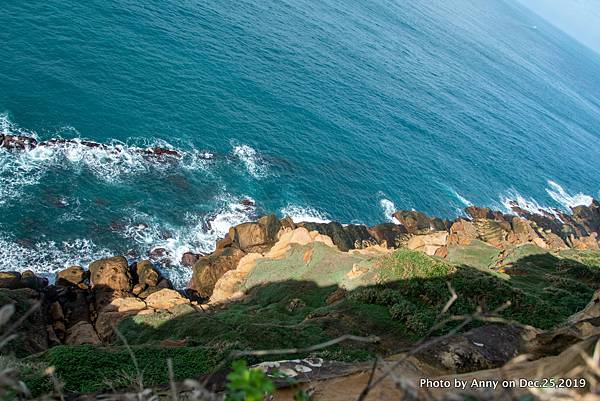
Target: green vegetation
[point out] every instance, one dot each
(245, 384)
(86, 368)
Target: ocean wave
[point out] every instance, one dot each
(47, 258)
(565, 199)
(462, 199)
(388, 208)
(304, 214)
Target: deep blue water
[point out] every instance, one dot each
(322, 109)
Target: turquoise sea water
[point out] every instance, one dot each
(336, 110)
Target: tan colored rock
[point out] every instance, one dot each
(71, 276)
(124, 304)
(462, 232)
(522, 232)
(82, 333)
(553, 241)
(112, 273)
(586, 243)
(256, 237)
(357, 271)
(428, 243)
(493, 232)
(165, 299)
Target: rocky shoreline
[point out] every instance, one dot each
(83, 305)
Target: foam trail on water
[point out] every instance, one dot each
(462, 199)
(255, 165)
(565, 199)
(388, 210)
(304, 214)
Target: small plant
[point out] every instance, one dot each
(245, 384)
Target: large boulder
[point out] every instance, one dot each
(165, 299)
(72, 276)
(418, 222)
(585, 243)
(479, 212)
(30, 280)
(10, 280)
(522, 231)
(82, 333)
(112, 273)
(148, 275)
(210, 268)
(485, 347)
(432, 244)
(256, 237)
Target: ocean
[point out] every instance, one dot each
(329, 110)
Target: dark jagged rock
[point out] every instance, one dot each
(392, 234)
(188, 259)
(10, 280)
(30, 280)
(352, 236)
(419, 223)
(17, 142)
(588, 216)
(147, 274)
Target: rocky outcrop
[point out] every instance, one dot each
(228, 285)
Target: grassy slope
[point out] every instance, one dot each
(397, 297)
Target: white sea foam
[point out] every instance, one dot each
(254, 164)
(47, 258)
(556, 192)
(463, 200)
(514, 198)
(388, 210)
(304, 214)
(565, 199)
